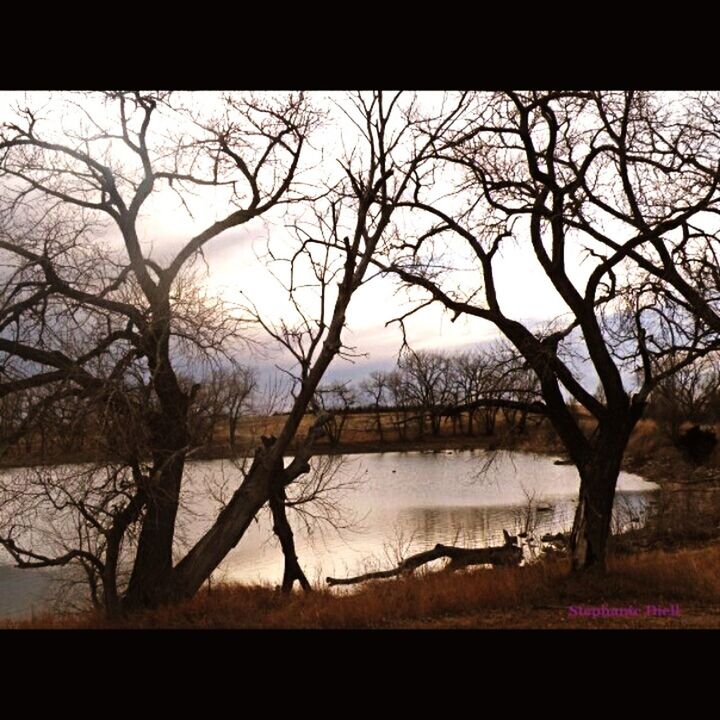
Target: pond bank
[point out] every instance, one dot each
(686, 584)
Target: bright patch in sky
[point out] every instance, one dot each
(236, 270)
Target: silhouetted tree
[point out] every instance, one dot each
(427, 384)
(336, 399)
(107, 327)
(618, 181)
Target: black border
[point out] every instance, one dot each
(430, 47)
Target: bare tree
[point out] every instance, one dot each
(615, 181)
(375, 388)
(477, 378)
(86, 322)
(336, 399)
(428, 383)
(225, 396)
(400, 402)
(78, 317)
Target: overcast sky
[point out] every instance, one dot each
(234, 263)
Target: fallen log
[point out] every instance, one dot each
(507, 554)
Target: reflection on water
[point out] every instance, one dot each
(22, 591)
(408, 502)
(394, 504)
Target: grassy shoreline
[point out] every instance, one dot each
(536, 596)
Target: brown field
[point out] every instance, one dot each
(649, 451)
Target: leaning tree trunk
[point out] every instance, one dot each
(254, 491)
(282, 528)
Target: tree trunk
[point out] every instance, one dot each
(522, 422)
(456, 420)
(227, 530)
(153, 561)
(490, 417)
(593, 516)
(112, 603)
(508, 554)
(169, 438)
(435, 423)
(254, 491)
(281, 528)
(421, 424)
(232, 431)
(342, 419)
(401, 425)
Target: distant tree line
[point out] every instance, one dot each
(426, 394)
(429, 390)
(68, 429)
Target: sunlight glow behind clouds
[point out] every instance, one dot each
(235, 266)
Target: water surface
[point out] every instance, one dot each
(388, 505)
(407, 502)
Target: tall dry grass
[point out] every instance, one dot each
(690, 576)
(646, 441)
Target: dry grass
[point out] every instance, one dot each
(646, 440)
(535, 596)
(360, 435)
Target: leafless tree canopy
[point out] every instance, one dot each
(90, 313)
(615, 197)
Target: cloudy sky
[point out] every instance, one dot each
(236, 264)
(233, 265)
(235, 258)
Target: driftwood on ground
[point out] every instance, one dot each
(507, 554)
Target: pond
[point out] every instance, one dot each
(375, 508)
